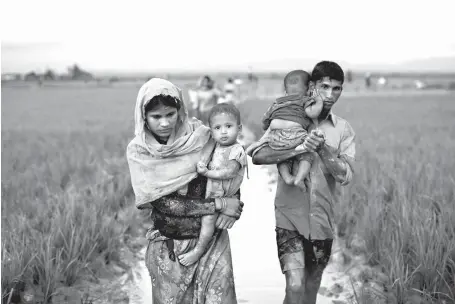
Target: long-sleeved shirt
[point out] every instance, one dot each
(311, 213)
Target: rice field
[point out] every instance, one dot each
(67, 203)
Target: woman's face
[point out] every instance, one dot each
(205, 83)
(161, 120)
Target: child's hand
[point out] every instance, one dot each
(318, 133)
(201, 168)
(314, 106)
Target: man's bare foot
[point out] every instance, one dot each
(189, 258)
(300, 184)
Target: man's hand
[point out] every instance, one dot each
(224, 221)
(201, 168)
(314, 141)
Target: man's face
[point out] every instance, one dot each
(329, 90)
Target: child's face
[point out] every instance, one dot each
(224, 128)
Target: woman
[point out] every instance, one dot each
(162, 159)
(206, 96)
(230, 91)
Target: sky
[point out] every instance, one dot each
(198, 34)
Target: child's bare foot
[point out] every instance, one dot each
(288, 179)
(189, 258)
(300, 184)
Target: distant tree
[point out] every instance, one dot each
(49, 75)
(74, 71)
(31, 76)
(113, 79)
(77, 73)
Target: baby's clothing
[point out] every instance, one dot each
(291, 108)
(221, 155)
(284, 139)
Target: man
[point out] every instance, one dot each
(304, 220)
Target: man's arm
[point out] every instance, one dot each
(338, 167)
(268, 156)
(341, 166)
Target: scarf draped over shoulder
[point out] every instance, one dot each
(157, 170)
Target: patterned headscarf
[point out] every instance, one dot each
(156, 169)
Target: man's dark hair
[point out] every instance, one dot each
(328, 69)
(225, 108)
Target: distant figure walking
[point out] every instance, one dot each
(252, 77)
(230, 92)
(253, 82)
(368, 80)
(205, 97)
(349, 77)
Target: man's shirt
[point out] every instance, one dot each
(311, 213)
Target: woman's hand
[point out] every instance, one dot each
(233, 207)
(224, 221)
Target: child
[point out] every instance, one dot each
(225, 171)
(288, 120)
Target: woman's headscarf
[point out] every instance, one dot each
(158, 170)
(209, 82)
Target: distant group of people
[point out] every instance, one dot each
(189, 172)
(207, 94)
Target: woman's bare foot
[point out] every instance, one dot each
(190, 258)
(300, 184)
